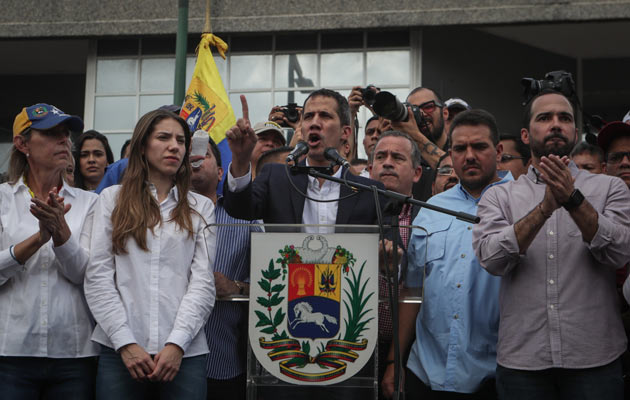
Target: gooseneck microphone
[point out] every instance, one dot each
(300, 149)
(331, 154)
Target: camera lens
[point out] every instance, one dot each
(388, 106)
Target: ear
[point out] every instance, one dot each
(346, 131)
(220, 173)
(525, 136)
(499, 151)
(20, 144)
(417, 174)
(445, 113)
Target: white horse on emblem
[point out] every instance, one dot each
(304, 314)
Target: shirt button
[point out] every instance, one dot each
(550, 233)
(463, 255)
(551, 306)
(470, 227)
(551, 281)
(551, 256)
(455, 317)
(459, 285)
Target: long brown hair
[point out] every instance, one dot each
(18, 164)
(136, 209)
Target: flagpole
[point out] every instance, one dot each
(180, 53)
(207, 27)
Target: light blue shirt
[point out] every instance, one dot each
(457, 326)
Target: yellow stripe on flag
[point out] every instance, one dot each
(206, 105)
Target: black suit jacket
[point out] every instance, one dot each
(272, 198)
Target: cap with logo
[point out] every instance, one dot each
(270, 126)
(44, 116)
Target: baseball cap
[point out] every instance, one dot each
(610, 131)
(455, 103)
(44, 116)
(270, 126)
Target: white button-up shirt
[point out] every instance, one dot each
(42, 309)
(153, 297)
(314, 213)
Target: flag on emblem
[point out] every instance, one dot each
(206, 105)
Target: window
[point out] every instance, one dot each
(268, 69)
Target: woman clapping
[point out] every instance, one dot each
(45, 227)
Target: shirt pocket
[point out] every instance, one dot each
(433, 240)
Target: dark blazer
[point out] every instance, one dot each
(272, 198)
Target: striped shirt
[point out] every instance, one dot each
(226, 324)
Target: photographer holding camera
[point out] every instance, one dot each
(421, 117)
(289, 117)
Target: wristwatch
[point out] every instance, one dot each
(574, 201)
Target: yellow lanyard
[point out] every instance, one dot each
(29, 189)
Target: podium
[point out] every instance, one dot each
(313, 312)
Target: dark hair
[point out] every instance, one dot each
(416, 159)
(372, 118)
(527, 112)
(78, 146)
(262, 160)
(124, 147)
(343, 109)
(358, 161)
(215, 151)
(584, 147)
(521, 148)
(438, 97)
(475, 118)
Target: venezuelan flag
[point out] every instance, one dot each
(206, 105)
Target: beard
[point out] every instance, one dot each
(436, 132)
(548, 146)
(477, 182)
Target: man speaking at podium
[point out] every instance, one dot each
(273, 198)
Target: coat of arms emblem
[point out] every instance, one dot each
(313, 307)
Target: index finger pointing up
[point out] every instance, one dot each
(245, 108)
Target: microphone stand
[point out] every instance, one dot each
(396, 202)
(403, 198)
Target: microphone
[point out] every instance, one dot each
(300, 149)
(331, 154)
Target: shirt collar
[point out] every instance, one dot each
(174, 193)
(504, 176)
(534, 175)
(312, 179)
(65, 188)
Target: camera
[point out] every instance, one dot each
(369, 94)
(386, 105)
(559, 81)
(291, 111)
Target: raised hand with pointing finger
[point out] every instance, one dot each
(241, 139)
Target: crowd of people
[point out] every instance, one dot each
(109, 271)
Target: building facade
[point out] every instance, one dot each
(112, 61)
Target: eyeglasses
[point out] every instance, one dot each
(446, 171)
(616, 158)
(510, 157)
(429, 106)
